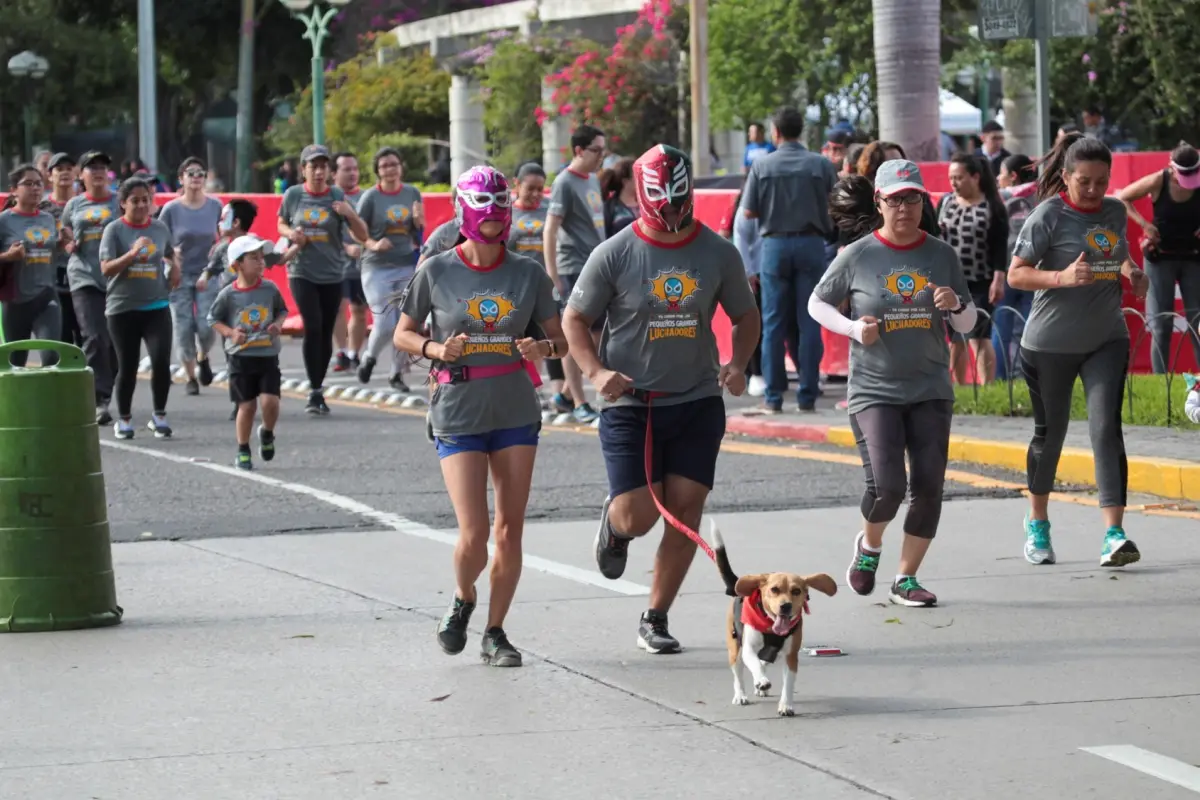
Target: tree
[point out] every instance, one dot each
(908, 67)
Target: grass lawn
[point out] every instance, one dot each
(1148, 405)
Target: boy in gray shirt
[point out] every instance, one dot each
(249, 314)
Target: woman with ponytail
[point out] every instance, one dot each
(1072, 252)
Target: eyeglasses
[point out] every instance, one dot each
(594, 149)
(904, 199)
(482, 200)
(196, 173)
(31, 184)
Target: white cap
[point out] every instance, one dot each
(247, 244)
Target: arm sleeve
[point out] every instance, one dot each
(1036, 235)
(218, 312)
(594, 290)
(279, 307)
(833, 320)
(108, 243)
(418, 298)
(834, 286)
(750, 193)
(287, 207)
(559, 199)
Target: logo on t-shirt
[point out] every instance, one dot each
(37, 240)
(596, 205)
(397, 217)
(906, 287)
(672, 298)
(486, 311)
(254, 319)
(96, 217)
(313, 218)
(1105, 263)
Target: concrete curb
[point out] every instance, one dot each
(1164, 477)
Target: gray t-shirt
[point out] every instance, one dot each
(576, 198)
(323, 259)
(442, 239)
(525, 237)
(87, 218)
(250, 310)
(39, 233)
(660, 303)
(494, 308)
(389, 216)
(352, 269)
(911, 361)
(193, 231)
(1075, 319)
(144, 282)
(61, 257)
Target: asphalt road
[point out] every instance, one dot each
(384, 460)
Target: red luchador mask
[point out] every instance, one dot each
(663, 178)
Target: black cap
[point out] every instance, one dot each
(94, 155)
(313, 152)
(58, 159)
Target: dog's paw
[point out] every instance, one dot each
(786, 711)
(741, 700)
(761, 688)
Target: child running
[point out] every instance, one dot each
(249, 314)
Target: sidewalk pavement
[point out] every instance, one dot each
(1162, 461)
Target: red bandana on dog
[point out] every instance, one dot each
(663, 178)
(754, 616)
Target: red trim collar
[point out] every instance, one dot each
(311, 193)
(920, 241)
(583, 175)
(104, 199)
(754, 616)
(533, 207)
(648, 239)
(1066, 198)
(478, 267)
(390, 194)
(21, 213)
(237, 288)
(139, 227)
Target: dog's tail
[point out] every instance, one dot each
(727, 573)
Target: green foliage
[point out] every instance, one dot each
(1148, 405)
(366, 103)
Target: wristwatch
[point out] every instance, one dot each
(961, 308)
(552, 348)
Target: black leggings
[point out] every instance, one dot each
(128, 330)
(1051, 379)
(884, 433)
(318, 304)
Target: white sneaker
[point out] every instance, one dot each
(757, 386)
(123, 429)
(158, 424)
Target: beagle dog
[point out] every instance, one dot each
(765, 618)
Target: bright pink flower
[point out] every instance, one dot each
(608, 109)
(565, 109)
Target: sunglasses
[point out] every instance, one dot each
(196, 173)
(482, 200)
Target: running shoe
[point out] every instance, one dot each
(316, 404)
(123, 429)
(158, 424)
(266, 443)
(584, 414)
(562, 404)
(365, 369)
(497, 651)
(243, 460)
(341, 362)
(612, 551)
(206, 373)
(397, 383)
(193, 388)
(452, 630)
(861, 575)
(1038, 548)
(653, 636)
(103, 415)
(908, 592)
(1118, 551)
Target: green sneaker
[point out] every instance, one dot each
(908, 592)
(243, 461)
(1038, 549)
(1118, 551)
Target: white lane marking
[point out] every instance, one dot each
(394, 522)
(1150, 763)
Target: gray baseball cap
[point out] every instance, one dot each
(898, 175)
(313, 152)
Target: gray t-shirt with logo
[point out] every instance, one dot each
(87, 218)
(323, 259)
(494, 308)
(389, 216)
(660, 303)
(144, 282)
(252, 311)
(61, 257)
(352, 269)
(193, 231)
(576, 198)
(911, 361)
(39, 233)
(442, 239)
(525, 237)
(1075, 319)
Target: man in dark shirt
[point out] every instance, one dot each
(992, 136)
(788, 193)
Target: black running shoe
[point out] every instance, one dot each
(612, 551)
(266, 443)
(653, 636)
(365, 369)
(193, 388)
(498, 651)
(206, 373)
(316, 405)
(452, 630)
(397, 383)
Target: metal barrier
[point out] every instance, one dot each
(1011, 360)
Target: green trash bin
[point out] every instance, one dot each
(55, 552)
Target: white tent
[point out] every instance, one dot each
(958, 117)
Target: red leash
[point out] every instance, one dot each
(666, 515)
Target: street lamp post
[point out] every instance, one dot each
(28, 65)
(317, 29)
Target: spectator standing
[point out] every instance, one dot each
(1018, 191)
(757, 146)
(574, 228)
(992, 149)
(788, 193)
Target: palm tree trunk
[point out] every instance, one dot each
(908, 74)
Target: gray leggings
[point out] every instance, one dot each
(1051, 379)
(382, 288)
(884, 433)
(1164, 274)
(40, 318)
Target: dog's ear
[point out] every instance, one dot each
(822, 583)
(747, 584)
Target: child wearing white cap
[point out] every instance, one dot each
(249, 313)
